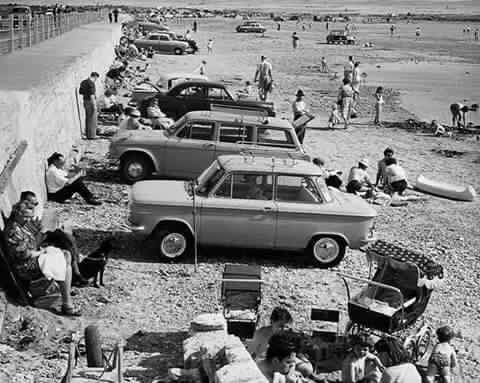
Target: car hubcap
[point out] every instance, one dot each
(326, 250)
(173, 245)
(135, 170)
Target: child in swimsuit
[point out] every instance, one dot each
(443, 359)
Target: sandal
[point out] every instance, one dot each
(70, 312)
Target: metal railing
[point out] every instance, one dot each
(17, 32)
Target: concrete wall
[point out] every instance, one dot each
(38, 103)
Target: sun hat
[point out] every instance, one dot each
(135, 113)
(364, 162)
(300, 93)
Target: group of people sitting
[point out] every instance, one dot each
(37, 251)
(391, 177)
(285, 356)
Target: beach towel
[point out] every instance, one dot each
(52, 263)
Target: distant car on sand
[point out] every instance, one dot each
(251, 27)
(340, 37)
(164, 43)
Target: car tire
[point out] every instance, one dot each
(135, 167)
(174, 242)
(326, 251)
(178, 51)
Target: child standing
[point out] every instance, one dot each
(334, 118)
(443, 359)
(378, 105)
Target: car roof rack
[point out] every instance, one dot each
(241, 111)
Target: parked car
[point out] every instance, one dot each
(164, 83)
(340, 37)
(251, 27)
(194, 141)
(253, 202)
(192, 43)
(162, 42)
(201, 95)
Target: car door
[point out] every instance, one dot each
(233, 138)
(299, 211)
(235, 214)
(191, 151)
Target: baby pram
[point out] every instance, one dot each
(398, 293)
(241, 291)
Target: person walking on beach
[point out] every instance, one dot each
(345, 100)
(279, 26)
(295, 39)
(378, 106)
(348, 69)
(326, 25)
(115, 14)
(195, 26)
(418, 32)
(210, 46)
(202, 68)
(264, 77)
(324, 65)
(299, 108)
(88, 90)
(392, 30)
(110, 17)
(475, 34)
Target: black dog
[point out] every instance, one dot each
(94, 264)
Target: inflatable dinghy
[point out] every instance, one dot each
(443, 189)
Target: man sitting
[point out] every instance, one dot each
(61, 185)
(31, 263)
(358, 180)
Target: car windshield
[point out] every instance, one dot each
(323, 188)
(209, 178)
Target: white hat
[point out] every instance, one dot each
(364, 162)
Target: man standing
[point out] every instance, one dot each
(295, 39)
(348, 69)
(299, 108)
(110, 16)
(115, 14)
(195, 26)
(264, 77)
(88, 90)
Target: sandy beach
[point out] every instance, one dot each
(149, 303)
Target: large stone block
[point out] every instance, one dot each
(242, 372)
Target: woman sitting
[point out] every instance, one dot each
(61, 185)
(31, 262)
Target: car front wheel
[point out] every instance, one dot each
(135, 167)
(178, 51)
(326, 251)
(174, 243)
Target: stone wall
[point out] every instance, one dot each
(38, 102)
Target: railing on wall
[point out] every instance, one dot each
(17, 32)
